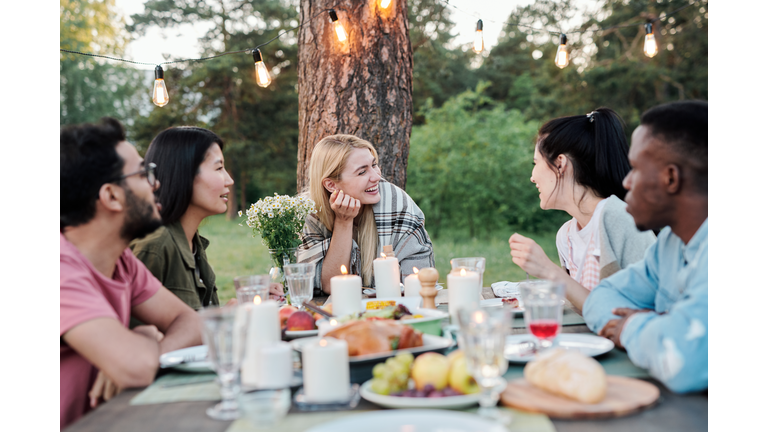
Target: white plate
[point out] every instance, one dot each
(518, 348)
(415, 402)
(411, 421)
(295, 334)
(198, 366)
(496, 302)
(431, 343)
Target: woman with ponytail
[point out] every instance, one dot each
(579, 165)
(358, 212)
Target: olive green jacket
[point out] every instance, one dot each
(166, 254)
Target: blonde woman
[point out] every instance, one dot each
(358, 213)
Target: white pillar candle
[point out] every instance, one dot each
(263, 330)
(412, 284)
(386, 271)
(463, 291)
(324, 326)
(326, 370)
(274, 366)
(346, 293)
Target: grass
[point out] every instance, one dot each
(234, 252)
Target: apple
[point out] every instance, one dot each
(300, 320)
(459, 378)
(284, 313)
(430, 369)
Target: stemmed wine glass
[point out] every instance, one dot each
(483, 337)
(300, 279)
(543, 303)
(224, 334)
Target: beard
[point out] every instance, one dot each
(140, 218)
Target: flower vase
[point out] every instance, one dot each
(281, 257)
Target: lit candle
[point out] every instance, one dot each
(346, 293)
(463, 291)
(274, 366)
(386, 270)
(324, 326)
(412, 284)
(326, 370)
(263, 330)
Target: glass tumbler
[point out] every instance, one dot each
(543, 302)
(248, 287)
(300, 279)
(477, 262)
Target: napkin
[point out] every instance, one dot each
(506, 289)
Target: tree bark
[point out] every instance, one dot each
(361, 87)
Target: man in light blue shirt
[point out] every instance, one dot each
(657, 308)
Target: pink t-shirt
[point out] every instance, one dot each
(86, 294)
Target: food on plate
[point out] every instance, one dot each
(430, 369)
(568, 373)
(379, 304)
(378, 336)
(459, 378)
(392, 375)
(390, 312)
(299, 321)
(284, 313)
(428, 376)
(511, 302)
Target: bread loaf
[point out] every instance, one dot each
(568, 373)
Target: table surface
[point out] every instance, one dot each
(672, 411)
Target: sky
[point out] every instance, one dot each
(182, 41)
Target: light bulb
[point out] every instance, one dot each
(650, 48)
(262, 74)
(385, 3)
(478, 45)
(159, 92)
(340, 32)
(561, 59)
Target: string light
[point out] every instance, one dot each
(561, 59)
(385, 3)
(650, 48)
(262, 74)
(340, 32)
(159, 92)
(477, 47)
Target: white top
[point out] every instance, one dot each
(580, 239)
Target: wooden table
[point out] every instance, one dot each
(672, 413)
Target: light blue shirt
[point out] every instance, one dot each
(672, 280)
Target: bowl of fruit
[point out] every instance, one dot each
(431, 380)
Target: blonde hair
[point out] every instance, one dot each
(329, 157)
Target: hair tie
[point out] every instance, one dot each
(591, 116)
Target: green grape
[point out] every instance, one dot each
(380, 386)
(405, 358)
(378, 370)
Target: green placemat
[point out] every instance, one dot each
(521, 421)
(177, 387)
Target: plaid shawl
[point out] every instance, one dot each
(399, 222)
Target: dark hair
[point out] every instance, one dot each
(89, 158)
(683, 127)
(178, 153)
(596, 146)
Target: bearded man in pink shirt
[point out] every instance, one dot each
(107, 200)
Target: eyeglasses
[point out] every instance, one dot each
(148, 172)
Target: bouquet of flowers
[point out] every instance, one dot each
(278, 220)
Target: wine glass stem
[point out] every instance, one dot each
(488, 397)
(228, 389)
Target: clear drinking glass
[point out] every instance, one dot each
(300, 279)
(543, 302)
(248, 287)
(224, 332)
(477, 262)
(483, 336)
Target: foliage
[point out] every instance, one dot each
(279, 219)
(470, 166)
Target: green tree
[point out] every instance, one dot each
(91, 88)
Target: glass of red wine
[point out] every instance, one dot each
(543, 303)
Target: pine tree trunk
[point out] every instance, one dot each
(361, 86)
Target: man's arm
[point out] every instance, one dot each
(178, 322)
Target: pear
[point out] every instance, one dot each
(459, 378)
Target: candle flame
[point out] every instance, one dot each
(463, 272)
(257, 299)
(334, 322)
(383, 255)
(343, 269)
(323, 342)
(478, 316)
(415, 270)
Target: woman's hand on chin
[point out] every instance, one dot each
(527, 254)
(344, 206)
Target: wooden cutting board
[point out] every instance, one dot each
(624, 396)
